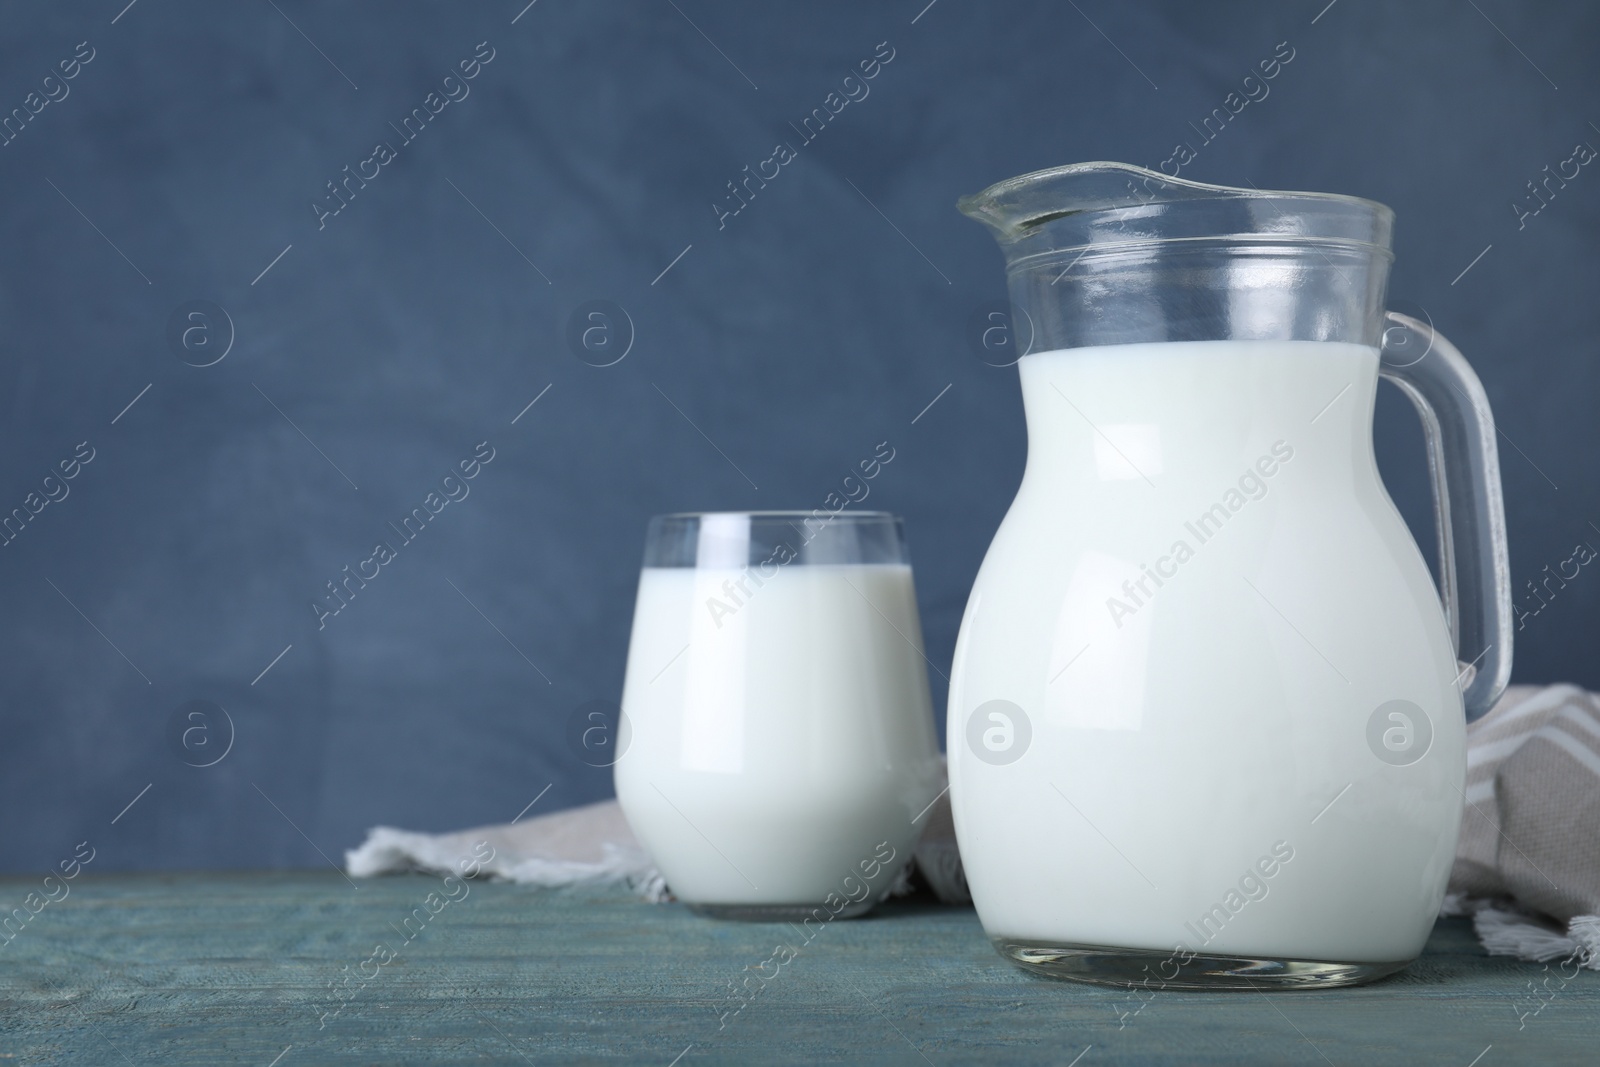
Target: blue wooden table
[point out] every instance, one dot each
(285, 968)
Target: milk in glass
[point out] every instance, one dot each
(782, 744)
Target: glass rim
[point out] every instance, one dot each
(784, 516)
(704, 539)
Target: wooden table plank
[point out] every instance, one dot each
(237, 968)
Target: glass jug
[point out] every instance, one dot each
(1207, 710)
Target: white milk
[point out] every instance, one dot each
(1183, 731)
(776, 749)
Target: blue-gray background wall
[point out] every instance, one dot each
(423, 318)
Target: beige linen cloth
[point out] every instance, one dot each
(1527, 866)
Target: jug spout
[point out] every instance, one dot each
(1018, 206)
(1109, 253)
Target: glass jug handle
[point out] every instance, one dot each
(1464, 464)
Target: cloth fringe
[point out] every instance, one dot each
(1506, 930)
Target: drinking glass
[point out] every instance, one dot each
(782, 742)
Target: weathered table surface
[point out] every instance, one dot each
(248, 969)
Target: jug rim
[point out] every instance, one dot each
(1017, 206)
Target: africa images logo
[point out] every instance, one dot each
(999, 732)
(1252, 485)
(1399, 733)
